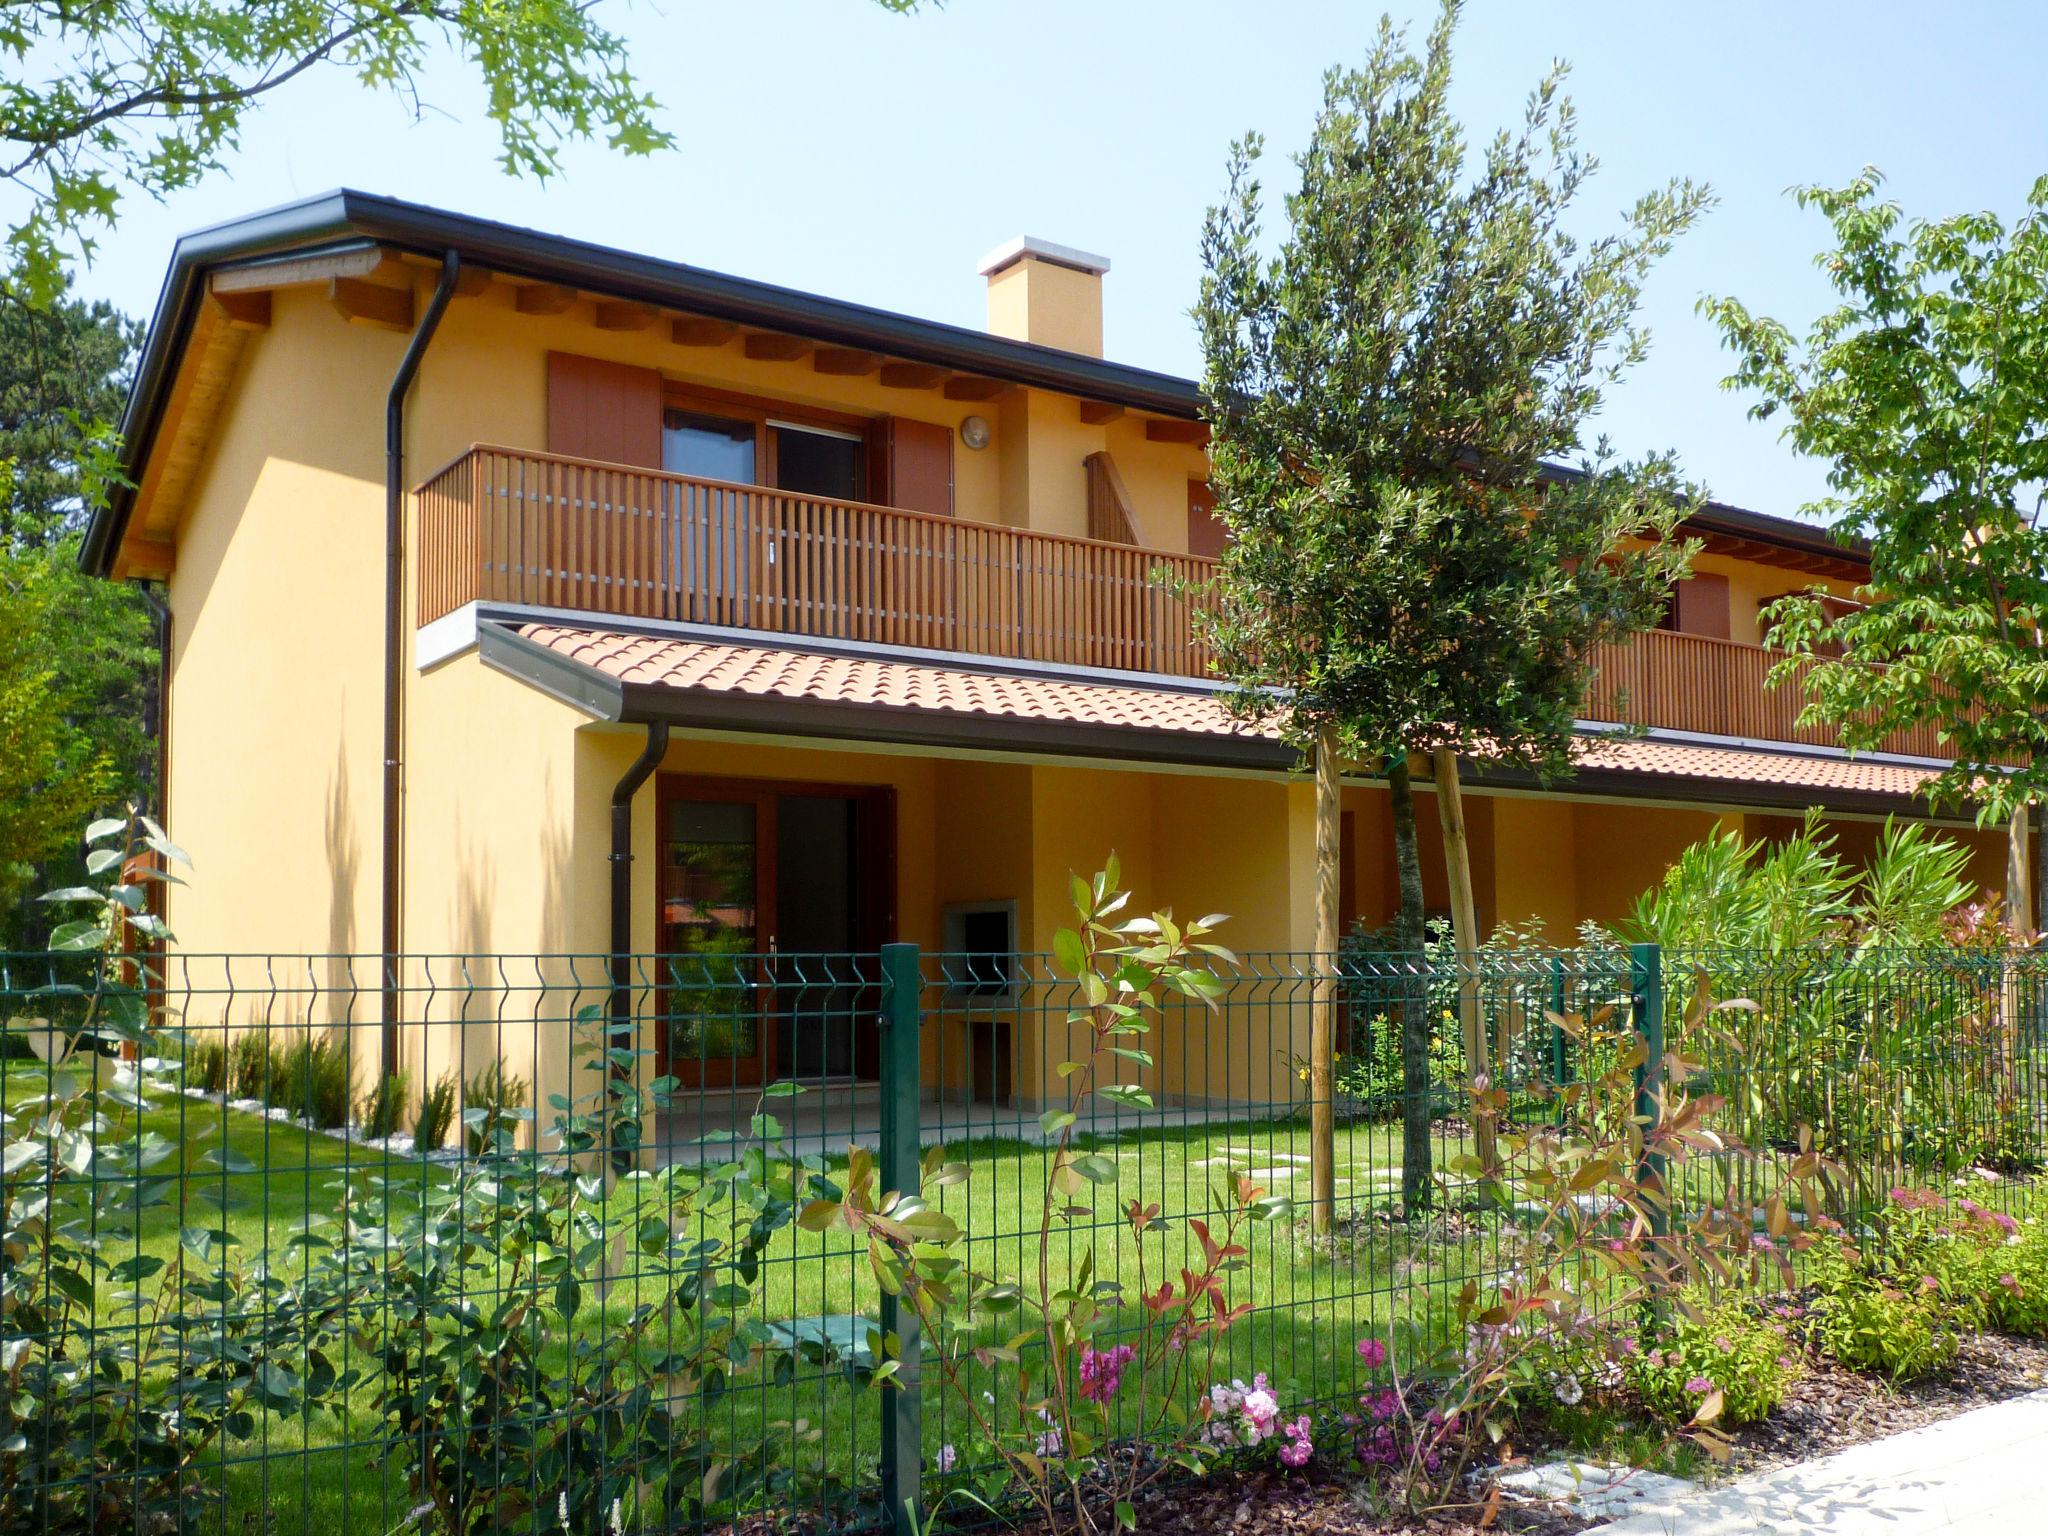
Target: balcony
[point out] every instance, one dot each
(510, 526)
(1678, 682)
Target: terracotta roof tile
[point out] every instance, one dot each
(766, 671)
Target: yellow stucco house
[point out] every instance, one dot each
(502, 566)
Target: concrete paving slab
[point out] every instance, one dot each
(1985, 1471)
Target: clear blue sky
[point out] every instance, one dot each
(830, 146)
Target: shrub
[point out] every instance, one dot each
(493, 1424)
(132, 1378)
(256, 1067)
(205, 1066)
(2019, 1290)
(383, 1107)
(1372, 1075)
(1870, 1325)
(1723, 1346)
(315, 1083)
(430, 1127)
(493, 1102)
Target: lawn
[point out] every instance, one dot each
(1311, 1297)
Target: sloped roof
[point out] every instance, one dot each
(622, 674)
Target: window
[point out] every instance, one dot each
(710, 447)
(813, 461)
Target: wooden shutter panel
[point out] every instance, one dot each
(1206, 533)
(910, 465)
(605, 411)
(1702, 605)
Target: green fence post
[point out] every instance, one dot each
(898, 1163)
(1646, 994)
(1558, 1063)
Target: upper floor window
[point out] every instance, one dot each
(713, 447)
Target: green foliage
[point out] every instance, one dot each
(205, 1066)
(517, 1414)
(129, 1372)
(1794, 896)
(383, 1108)
(430, 1127)
(1900, 1333)
(256, 1067)
(63, 381)
(1370, 1075)
(1386, 384)
(2018, 1293)
(493, 1104)
(1729, 1346)
(315, 1082)
(1925, 392)
(1068, 1355)
(54, 773)
(1384, 392)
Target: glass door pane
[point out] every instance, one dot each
(709, 525)
(710, 932)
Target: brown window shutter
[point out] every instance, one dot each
(1702, 605)
(910, 465)
(1206, 533)
(605, 411)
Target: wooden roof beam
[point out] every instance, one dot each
(246, 309)
(1099, 413)
(967, 386)
(543, 299)
(848, 362)
(774, 347)
(620, 315)
(1162, 430)
(701, 331)
(365, 303)
(912, 376)
(299, 271)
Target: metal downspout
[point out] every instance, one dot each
(394, 650)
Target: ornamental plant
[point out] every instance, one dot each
(500, 1403)
(1085, 1393)
(1734, 1346)
(1599, 1244)
(130, 1370)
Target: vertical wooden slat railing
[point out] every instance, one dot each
(1679, 682)
(509, 526)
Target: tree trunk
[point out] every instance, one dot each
(1322, 1039)
(2039, 815)
(1417, 1185)
(2019, 901)
(1450, 806)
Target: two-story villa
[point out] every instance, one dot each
(531, 596)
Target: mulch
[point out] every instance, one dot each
(1829, 1409)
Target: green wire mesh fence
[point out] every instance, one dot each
(530, 1254)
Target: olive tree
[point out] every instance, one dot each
(1406, 578)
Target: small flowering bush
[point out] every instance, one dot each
(1062, 1373)
(1736, 1348)
(1900, 1333)
(2019, 1289)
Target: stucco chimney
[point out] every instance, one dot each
(1045, 293)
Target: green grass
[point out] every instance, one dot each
(1311, 1297)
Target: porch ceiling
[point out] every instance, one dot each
(642, 676)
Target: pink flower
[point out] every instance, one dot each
(1262, 1409)
(1102, 1371)
(1373, 1352)
(1298, 1449)
(948, 1458)
(1929, 1283)
(2008, 1283)
(1699, 1386)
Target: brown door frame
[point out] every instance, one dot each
(875, 834)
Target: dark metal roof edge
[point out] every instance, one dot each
(575, 683)
(1739, 522)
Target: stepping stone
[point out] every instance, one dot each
(1601, 1493)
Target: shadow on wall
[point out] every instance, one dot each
(344, 864)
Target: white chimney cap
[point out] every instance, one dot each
(1013, 251)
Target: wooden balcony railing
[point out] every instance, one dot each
(511, 526)
(506, 525)
(1680, 682)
